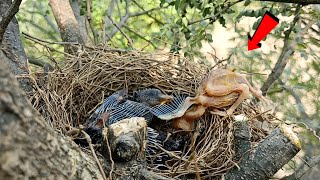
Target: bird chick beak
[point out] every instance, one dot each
(165, 99)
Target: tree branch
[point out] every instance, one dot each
(299, 103)
(68, 25)
(119, 28)
(36, 62)
(47, 17)
(36, 25)
(89, 21)
(7, 17)
(139, 35)
(147, 12)
(11, 46)
(122, 21)
(81, 21)
(128, 15)
(276, 150)
(287, 51)
(216, 14)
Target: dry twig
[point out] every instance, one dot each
(94, 154)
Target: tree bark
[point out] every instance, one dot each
(8, 16)
(242, 136)
(75, 5)
(127, 140)
(277, 149)
(12, 50)
(68, 25)
(29, 148)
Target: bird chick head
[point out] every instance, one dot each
(152, 97)
(121, 95)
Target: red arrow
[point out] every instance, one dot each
(268, 22)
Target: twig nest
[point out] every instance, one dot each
(73, 91)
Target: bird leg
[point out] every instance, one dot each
(218, 112)
(257, 93)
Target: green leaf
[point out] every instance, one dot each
(185, 22)
(304, 55)
(256, 24)
(257, 13)
(222, 21)
(209, 38)
(206, 11)
(177, 5)
(179, 22)
(162, 2)
(247, 2)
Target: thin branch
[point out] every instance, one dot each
(127, 15)
(51, 35)
(47, 17)
(119, 28)
(139, 35)
(36, 62)
(105, 135)
(311, 28)
(42, 42)
(297, 98)
(50, 22)
(118, 7)
(89, 20)
(48, 42)
(213, 18)
(287, 51)
(122, 21)
(111, 9)
(7, 17)
(94, 154)
(148, 13)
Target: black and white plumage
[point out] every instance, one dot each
(98, 118)
(108, 104)
(128, 109)
(165, 110)
(117, 107)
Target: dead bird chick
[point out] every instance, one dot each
(221, 88)
(139, 106)
(117, 107)
(151, 97)
(100, 116)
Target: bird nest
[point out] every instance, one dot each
(68, 95)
